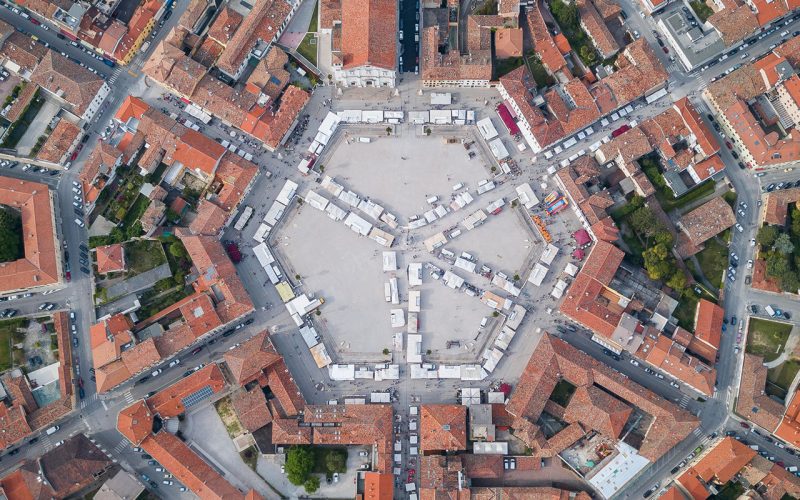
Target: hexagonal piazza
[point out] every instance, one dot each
(401, 173)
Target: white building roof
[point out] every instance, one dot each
(486, 128)
(537, 274)
(350, 198)
(498, 149)
(329, 123)
(619, 470)
(441, 98)
(414, 349)
(316, 200)
(550, 252)
(357, 224)
(490, 448)
(331, 186)
(414, 274)
(526, 196)
(287, 192)
(389, 261)
(334, 212)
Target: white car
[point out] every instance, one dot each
(79, 223)
(739, 228)
(752, 242)
(335, 477)
(750, 264)
(174, 362)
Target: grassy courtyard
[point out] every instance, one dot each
(713, 261)
(308, 47)
(780, 378)
(8, 337)
(143, 255)
(767, 338)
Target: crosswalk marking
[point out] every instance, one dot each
(128, 396)
(684, 402)
(120, 446)
(115, 75)
(697, 431)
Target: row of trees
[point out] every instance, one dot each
(778, 248)
(302, 460)
(659, 262)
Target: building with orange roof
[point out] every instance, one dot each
(708, 319)
(378, 486)
(110, 258)
(715, 467)
(136, 423)
(597, 31)
(702, 224)
(508, 43)
(775, 209)
(554, 361)
(365, 54)
(589, 300)
(671, 357)
(789, 428)
(443, 428)
(61, 472)
(39, 267)
(108, 338)
(60, 143)
(789, 96)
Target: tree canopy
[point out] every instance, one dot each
(11, 247)
(299, 463)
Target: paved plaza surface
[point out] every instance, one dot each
(401, 171)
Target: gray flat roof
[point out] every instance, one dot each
(697, 46)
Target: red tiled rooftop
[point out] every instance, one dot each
(110, 258)
(443, 427)
(368, 33)
(169, 402)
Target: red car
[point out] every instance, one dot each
(68, 275)
(728, 145)
(34, 21)
(744, 425)
(780, 463)
(666, 50)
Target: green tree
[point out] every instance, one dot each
(312, 484)
(790, 282)
(587, 54)
(656, 262)
(767, 235)
(299, 463)
(664, 237)
(643, 222)
(677, 281)
(10, 236)
(335, 461)
(783, 244)
(177, 250)
(777, 264)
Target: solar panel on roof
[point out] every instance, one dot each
(197, 396)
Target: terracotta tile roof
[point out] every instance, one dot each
(107, 337)
(110, 258)
(73, 465)
(369, 424)
(378, 486)
(197, 152)
(55, 148)
(170, 402)
(596, 28)
(229, 104)
(188, 468)
(443, 427)
(701, 132)
(451, 65)
(330, 11)
(779, 483)
(670, 356)
(263, 22)
(76, 85)
(586, 300)
(26, 484)
(234, 174)
(608, 414)
(249, 359)
(135, 422)
(225, 25)
(194, 13)
(23, 51)
(111, 375)
(753, 402)
(20, 105)
(639, 72)
(251, 408)
(718, 466)
(185, 74)
(708, 323)
(270, 75)
(544, 45)
(209, 257)
(606, 230)
(766, 12)
(776, 205)
(789, 428)
(142, 355)
(209, 220)
(286, 431)
(40, 264)
(271, 127)
(708, 167)
(734, 24)
(508, 43)
(707, 220)
(625, 148)
(609, 9)
(554, 359)
(765, 148)
(368, 33)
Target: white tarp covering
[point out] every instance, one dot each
(371, 209)
(452, 280)
(414, 301)
(474, 220)
(526, 196)
(274, 213)
(372, 116)
(316, 200)
(331, 186)
(335, 212)
(310, 336)
(414, 274)
(414, 349)
(329, 124)
(350, 198)
(486, 128)
(397, 318)
(516, 316)
(441, 98)
(357, 224)
(342, 372)
(389, 261)
(287, 192)
(550, 252)
(498, 149)
(350, 115)
(538, 274)
(465, 264)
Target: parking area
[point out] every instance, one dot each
(402, 171)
